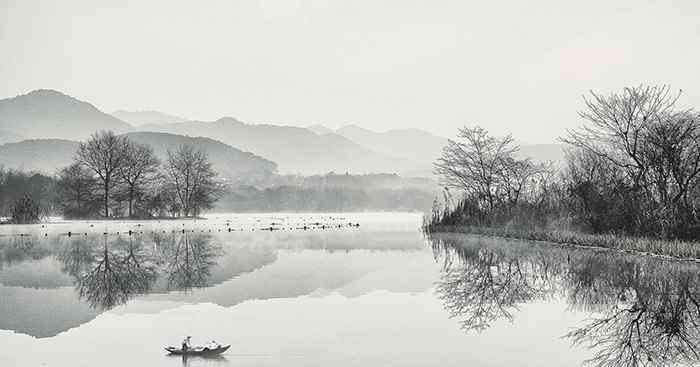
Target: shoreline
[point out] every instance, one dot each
(667, 249)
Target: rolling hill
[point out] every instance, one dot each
(48, 113)
(39, 155)
(49, 155)
(228, 161)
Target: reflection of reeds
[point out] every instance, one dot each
(673, 248)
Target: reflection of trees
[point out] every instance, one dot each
(486, 288)
(111, 274)
(188, 260)
(76, 256)
(647, 311)
(651, 318)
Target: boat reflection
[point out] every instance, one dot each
(192, 360)
(644, 311)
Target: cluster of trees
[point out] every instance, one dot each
(494, 185)
(112, 176)
(633, 168)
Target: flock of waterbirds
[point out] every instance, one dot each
(270, 224)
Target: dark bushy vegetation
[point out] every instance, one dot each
(112, 177)
(16, 187)
(632, 169)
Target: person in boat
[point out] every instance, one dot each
(186, 344)
(213, 344)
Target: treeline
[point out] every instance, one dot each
(324, 199)
(632, 169)
(131, 182)
(331, 192)
(113, 177)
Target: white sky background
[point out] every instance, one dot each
(510, 66)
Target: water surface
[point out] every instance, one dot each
(317, 289)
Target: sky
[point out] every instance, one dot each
(517, 67)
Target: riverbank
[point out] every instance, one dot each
(641, 245)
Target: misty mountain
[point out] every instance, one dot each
(47, 113)
(417, 145)
(137, 118)
(295, 149)
(50, 155)
(425, 147)
(39, 155)
(228, 162)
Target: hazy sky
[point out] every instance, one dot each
(510, 66)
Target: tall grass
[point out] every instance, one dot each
(446, 218)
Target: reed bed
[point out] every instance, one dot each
(642, 245)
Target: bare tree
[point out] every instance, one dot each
(104, 154)
(652, 154)
(474, 162)
(192, 177)
(617, 125)
(140, 168)
(77, 187)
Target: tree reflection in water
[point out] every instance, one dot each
(645, 311)
(188, 260)
(110, 271)
(111, 274)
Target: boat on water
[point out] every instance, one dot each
(198, 351)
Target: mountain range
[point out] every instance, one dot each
(40, 130)
(295, 149)
(423, 147)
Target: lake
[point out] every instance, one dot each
(332, 290)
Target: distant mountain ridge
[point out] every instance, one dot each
(417, 145)
(423, 146)
(38, 155)
(317, 149)
(295, 149)
(137, 118)
(47, 113)
(228, 161)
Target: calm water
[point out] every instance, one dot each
(318, 290)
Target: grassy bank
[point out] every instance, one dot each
(642, 245)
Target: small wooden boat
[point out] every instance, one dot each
(198, 351)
